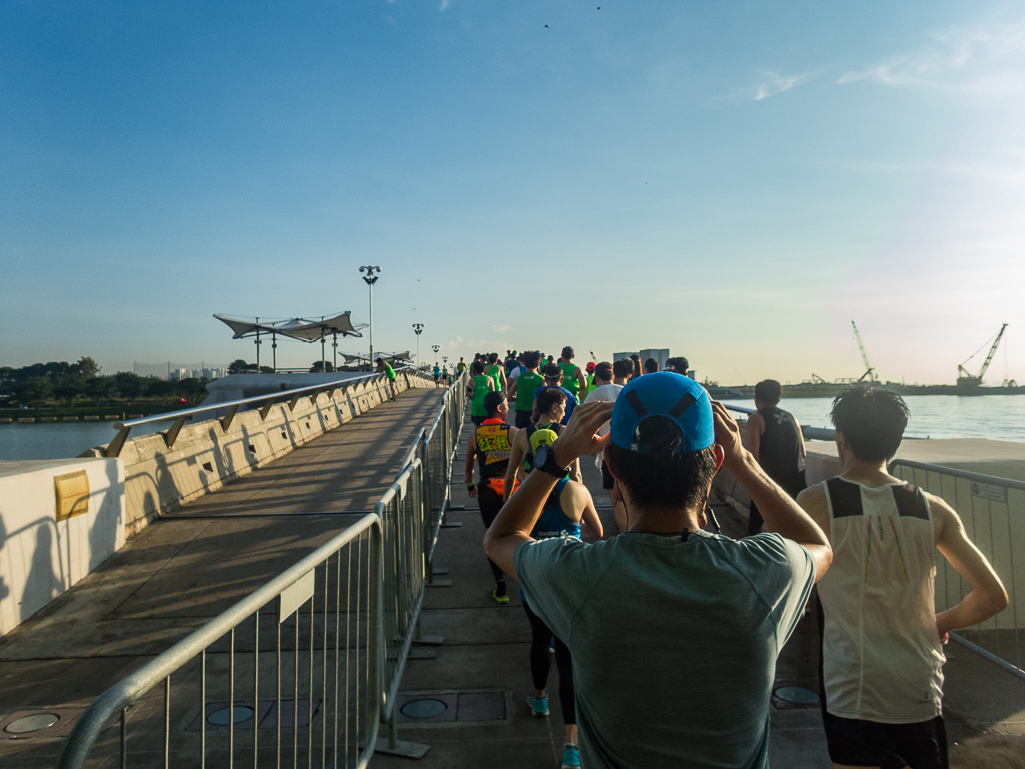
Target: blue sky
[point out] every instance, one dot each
(732, 182)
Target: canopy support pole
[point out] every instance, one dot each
(258, 345)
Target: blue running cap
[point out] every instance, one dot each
(670, 398)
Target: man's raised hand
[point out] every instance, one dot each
(581, 434)
(727, 435)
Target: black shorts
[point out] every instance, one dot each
(854, 742)
(477, 420)
(523, 419)
(607, 481)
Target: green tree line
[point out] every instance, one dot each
(70, 384)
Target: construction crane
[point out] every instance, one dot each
(870, 373)
(965, 377)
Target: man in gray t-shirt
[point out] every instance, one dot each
(674, 631)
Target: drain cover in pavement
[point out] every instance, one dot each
(424, 708)
(223, 716)
(33, 723)
(42, 723)
(452, 707)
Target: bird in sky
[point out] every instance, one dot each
(546, 26)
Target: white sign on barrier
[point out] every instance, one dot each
(989, 491)
(295, 595)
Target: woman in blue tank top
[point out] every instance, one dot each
(568, 504)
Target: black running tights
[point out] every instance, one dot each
(540, 643)
(488, 512)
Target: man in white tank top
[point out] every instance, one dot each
(882, 658)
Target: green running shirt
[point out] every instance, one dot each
(526, 383)
(568, 380)
(495, 376)
(480, 389)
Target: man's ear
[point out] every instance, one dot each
(720, 456)
(607, 456)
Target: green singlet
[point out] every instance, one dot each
(568, 380)
(526, 383)
(495, 376)
(480, 389)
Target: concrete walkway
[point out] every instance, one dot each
(183, 570)
(486, 652)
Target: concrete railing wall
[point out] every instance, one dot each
(205, 457)
(46, 546)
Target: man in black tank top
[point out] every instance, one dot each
(491, 445)
(775, 440)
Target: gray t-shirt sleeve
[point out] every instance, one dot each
(556, 578)
(784, 579)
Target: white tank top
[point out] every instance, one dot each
(882, 657)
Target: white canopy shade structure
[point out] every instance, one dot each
(303, 329)
(392, 357)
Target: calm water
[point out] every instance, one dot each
(998, 417)
(59, 440)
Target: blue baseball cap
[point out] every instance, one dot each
(678, 402)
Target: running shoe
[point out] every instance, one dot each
(570, 756)
(538, 705)
(499, 598)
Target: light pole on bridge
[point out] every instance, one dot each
(370, 279)
(418, 328)
(435, 347)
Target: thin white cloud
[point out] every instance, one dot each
(444, 5)
(774, 84)
(987, 58)
(501, 329)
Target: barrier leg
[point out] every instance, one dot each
(393, 746)
(431, 640)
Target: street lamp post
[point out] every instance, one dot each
(370, 279)
(418, 328)
(435, 347)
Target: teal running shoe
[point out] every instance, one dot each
(538, 705)
(570, 756)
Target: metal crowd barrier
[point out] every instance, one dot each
(337, 628)
(993, 512)
(292, 671)
(413, 511)
(436, 447)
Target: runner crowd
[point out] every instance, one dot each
(665, 633)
